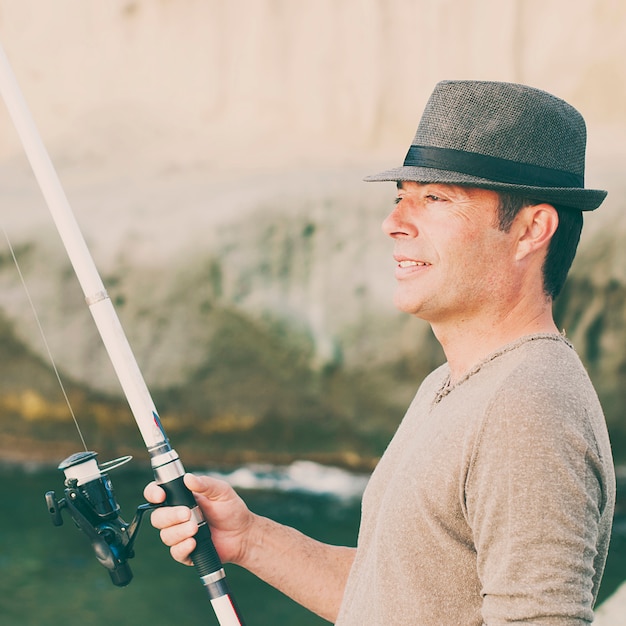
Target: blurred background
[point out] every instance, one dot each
(213, 152)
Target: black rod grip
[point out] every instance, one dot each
(204, 557)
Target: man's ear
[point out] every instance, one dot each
(535, 226)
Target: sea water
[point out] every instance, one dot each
(49, 575)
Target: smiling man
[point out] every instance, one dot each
(493, 502)
(458, 270)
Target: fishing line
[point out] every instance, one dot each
(43, 336)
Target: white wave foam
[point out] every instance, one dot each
(299, 476)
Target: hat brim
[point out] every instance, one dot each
(568, 197)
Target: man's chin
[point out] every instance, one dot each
(411, 306)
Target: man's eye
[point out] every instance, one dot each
(433, 197)
(397, 200)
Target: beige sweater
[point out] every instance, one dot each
(494, 501)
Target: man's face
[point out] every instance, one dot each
(453, 262)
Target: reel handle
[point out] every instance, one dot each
(53, 508)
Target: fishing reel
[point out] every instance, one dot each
(91, 503)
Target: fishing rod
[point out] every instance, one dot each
(89, 495)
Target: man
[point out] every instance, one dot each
(493, 503)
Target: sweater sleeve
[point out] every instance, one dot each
(534, 499)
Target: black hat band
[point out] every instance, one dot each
(490, 168)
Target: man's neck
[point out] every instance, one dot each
(468, 342)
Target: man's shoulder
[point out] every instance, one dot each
(533, 363)
(545, 386)
(549, 364)
(537, 376)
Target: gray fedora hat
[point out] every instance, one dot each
(501, 136)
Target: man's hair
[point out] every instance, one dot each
(562, 246)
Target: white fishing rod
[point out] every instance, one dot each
(82, 470)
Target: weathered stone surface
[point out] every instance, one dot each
(295, 262)
(217, 181)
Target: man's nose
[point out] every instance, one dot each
(398, 223)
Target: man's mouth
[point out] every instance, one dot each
(407, 263)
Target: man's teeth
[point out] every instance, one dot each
(411, 263)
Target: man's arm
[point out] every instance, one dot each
(312, 573)
(539, 500)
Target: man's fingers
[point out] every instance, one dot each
(181, 551)
(170, 516)
(211, 488)
(154, 494)
(174, 535)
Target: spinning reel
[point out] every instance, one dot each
(91, 503)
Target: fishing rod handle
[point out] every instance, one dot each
(204, 557)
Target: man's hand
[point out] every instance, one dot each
(314, 574)
(226, 513)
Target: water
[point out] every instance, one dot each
(304, 477)
(49, 576)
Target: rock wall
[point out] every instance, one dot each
(252, 82)
(213, 153)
